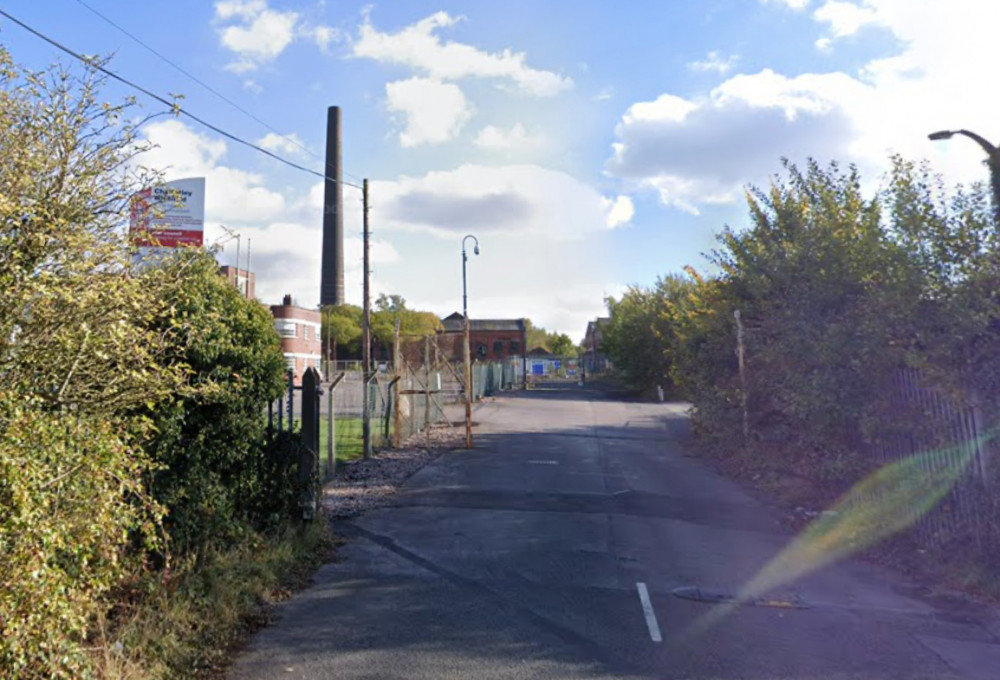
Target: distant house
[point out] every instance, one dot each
(594, 358)
(301, 336)
(491, 339)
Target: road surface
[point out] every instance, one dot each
(554, 549)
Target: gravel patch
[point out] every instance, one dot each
(365, 484)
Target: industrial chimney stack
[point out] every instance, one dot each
(332, 274)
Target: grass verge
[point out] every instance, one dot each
(188, 622)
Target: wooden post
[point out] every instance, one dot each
(366, 335)
(740, 356)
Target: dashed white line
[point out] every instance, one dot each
(647, 609)
(543, 462)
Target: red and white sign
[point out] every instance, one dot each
(169, 215)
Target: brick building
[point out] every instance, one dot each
(243, 280)
(491, 339)
(301, 340)
(594, 358)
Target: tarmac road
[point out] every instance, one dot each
(553, 550)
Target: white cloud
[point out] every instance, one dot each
(620, 211)
(245, 9)
(704, 149)
(714, 61)
(231, 195)
(258, 34)
(435, 112)
(419, 47)
(497, 139)
(844, 18)
(544, 204)
(790, 4)
(289, 144)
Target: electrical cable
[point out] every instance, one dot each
(173, 105)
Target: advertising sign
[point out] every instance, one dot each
(169, 215)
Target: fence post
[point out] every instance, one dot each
(427, 386)
(397, 397)
(984, 446)
(309, 461)
(331, 427)
(291, 401)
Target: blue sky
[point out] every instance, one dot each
(589, 145)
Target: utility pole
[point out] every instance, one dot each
(366, 338)
(248, 271)
(238, 261)
(741, 360)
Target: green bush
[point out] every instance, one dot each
(214, 472)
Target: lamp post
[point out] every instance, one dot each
(992, 161)
(466, 351)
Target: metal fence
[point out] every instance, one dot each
(421, 389)
(942, 433)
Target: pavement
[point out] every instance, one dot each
(556, 548)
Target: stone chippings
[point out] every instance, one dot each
(365, 484)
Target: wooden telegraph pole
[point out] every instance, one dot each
(366, 337)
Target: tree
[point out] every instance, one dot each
(209, 442)
(342, 329)
(560, 344)
(78, 359)
(389, 308)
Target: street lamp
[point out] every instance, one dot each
(992, 161)
(466, 351)
(465, 258)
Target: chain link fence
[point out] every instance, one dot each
(422, 389)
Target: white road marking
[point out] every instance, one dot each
(543, 462)
(647, 609)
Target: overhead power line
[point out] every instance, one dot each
(173, 105)
(290, 139)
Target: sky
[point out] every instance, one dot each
(589, 146)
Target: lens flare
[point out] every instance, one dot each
(888, 501)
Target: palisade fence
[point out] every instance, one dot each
(940, 441)
(422, 389)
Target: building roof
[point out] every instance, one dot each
(454, 322)
(539, 352)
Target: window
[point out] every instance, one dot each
(481, 350)
(285, 328)
(305, 332)
(498, 347)
(290, 363)
(515, 346)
